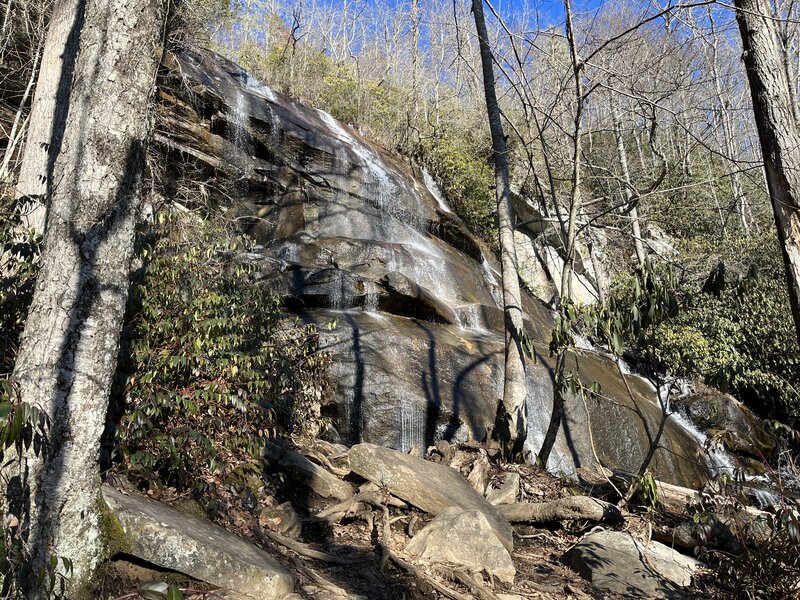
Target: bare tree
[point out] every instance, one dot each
(69, 348)
(512, 417)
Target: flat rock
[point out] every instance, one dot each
(505, 493)
(463, 537)
(168, 538)
(613, 561)
(429, 486)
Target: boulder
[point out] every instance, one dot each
(463, 537)
(163, 536)
(429, 486)
(616, 562)
(507, 490)
(744, 432)
(281, 519)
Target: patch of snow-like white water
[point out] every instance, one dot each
(490, 272)
(582, 343)
(371, 301)
(375, 314)
(254, 85)
(628, 370)
(435, 191)
(411, 427)
(469, 317)
(238, 115)
(719, 462)
(340, 293)
(368, 158)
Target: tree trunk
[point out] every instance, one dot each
(633, 211)
(577, 154)
(512, 419)
(46, 126)
(69, 348)
(777, 131)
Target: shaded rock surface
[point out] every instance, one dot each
(355, 236)
(715, 412)
(616, 562)
(506, 491)
(305, 472)
(430, 486)
(463, 537)
(165, 537)
(281, 519)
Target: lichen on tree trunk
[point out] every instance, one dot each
(69, 348)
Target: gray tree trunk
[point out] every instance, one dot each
(46, 125)
(69, 348)
(777, 131)
(633, 211)
(512, 419)
(577, 154)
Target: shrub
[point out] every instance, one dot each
(736, 331)
(216, 366)
(468, 179)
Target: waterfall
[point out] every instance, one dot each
(254, 85)
(237, 121)
(371, 301)
(434, 190)
(369, 160)
(469, 317)
(340, 296)
(411, 429)
(719, 462)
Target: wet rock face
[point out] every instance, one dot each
(356, 236)
(718, 413)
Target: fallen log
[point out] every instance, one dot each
(572, 507)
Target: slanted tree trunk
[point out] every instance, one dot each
(46, 125)
(69, 348)
(778, 131)
(512, 412)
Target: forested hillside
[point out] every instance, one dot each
(294, 268)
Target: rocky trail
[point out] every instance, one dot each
(372, 523)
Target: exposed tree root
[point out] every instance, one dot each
(387, 554)
(320, 580)
(303, 549)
